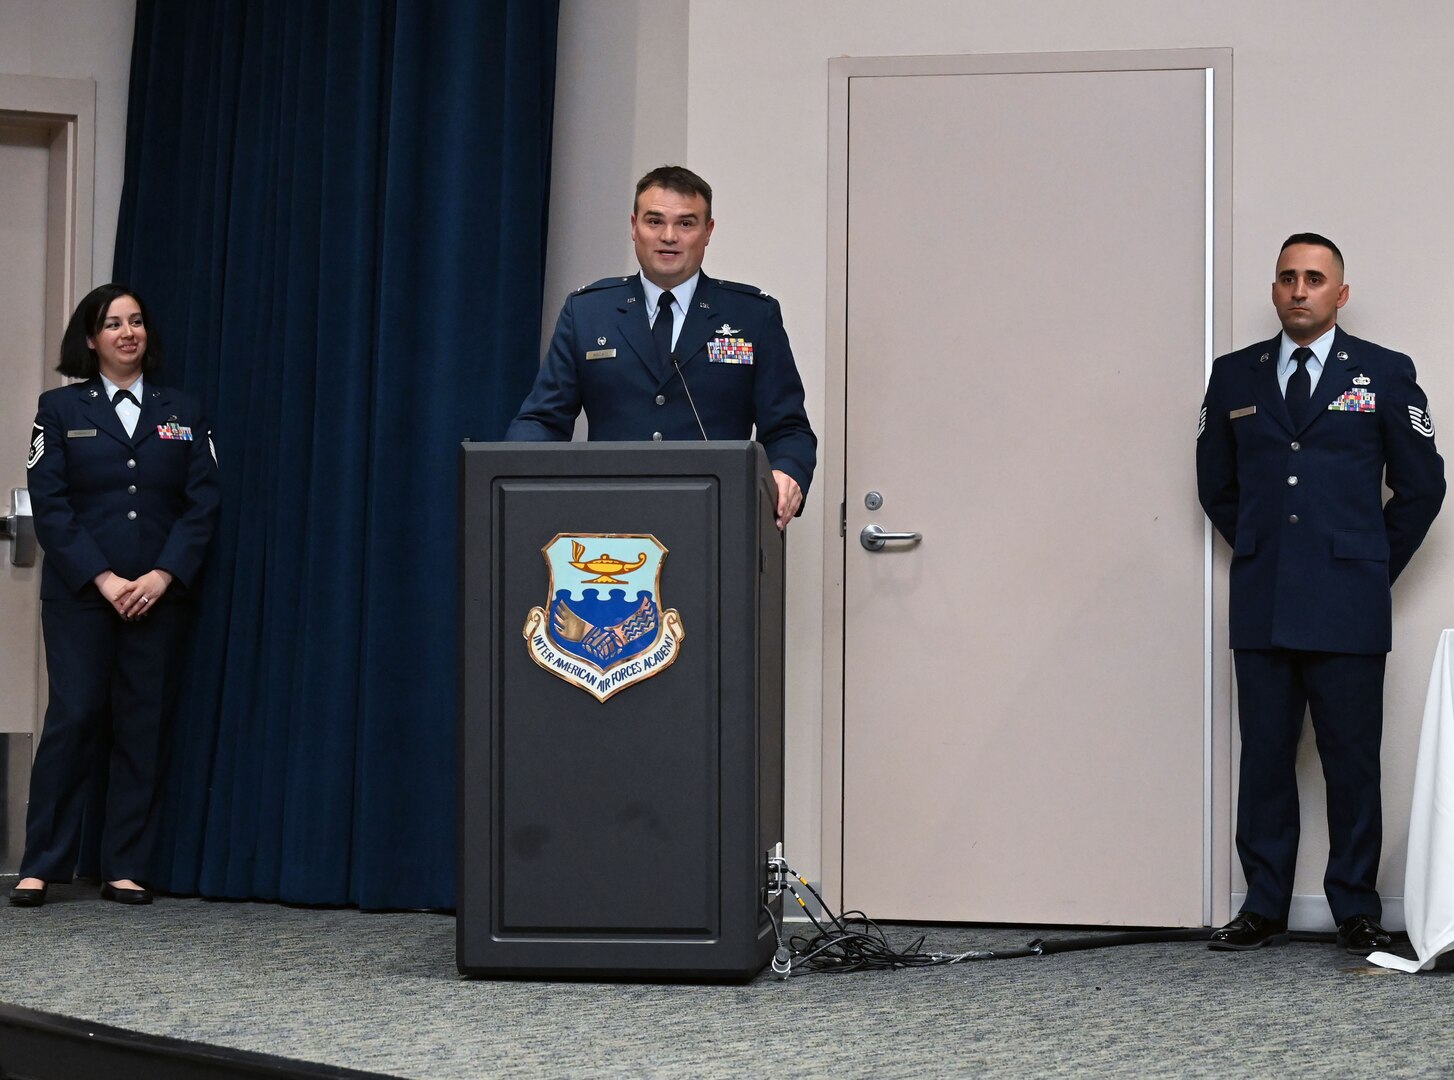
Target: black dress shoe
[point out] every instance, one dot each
(1360, 934)
(27, 897)
(1249, 930)
(125, 896)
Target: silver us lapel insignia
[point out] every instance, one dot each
(603, 644)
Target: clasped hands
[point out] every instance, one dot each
(133, 599)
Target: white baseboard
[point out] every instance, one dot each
(1310, 912)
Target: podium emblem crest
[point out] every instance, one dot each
(602, 627)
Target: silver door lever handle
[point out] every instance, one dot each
(874, 537)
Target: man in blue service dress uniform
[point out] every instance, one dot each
(1297, 437)
(670, 353)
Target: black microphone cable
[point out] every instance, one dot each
(853, 942)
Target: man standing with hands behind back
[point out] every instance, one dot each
(1297, 437)
(671, 353)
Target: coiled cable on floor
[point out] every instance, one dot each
(853, 942)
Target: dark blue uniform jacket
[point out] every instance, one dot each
(1314, 546)
(103, 501)
(602, 358)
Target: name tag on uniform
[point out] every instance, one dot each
(729, 350)
(81, 433)
(1353, 401)
(174, 431)
(600, 354)
(1237, 414)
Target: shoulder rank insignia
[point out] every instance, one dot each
(1202, 420)
(603, 644)
(37, 445)
(1422, 422)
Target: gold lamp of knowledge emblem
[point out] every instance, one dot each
(603, 564)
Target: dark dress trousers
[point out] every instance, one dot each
(105, 500)
(734, 358)
(1315, 550)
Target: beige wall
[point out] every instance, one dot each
(81, 39)
(1340, 115)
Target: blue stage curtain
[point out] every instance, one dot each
(336, 211)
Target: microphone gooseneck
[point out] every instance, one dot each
(688, 389)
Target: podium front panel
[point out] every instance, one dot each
(626, 835)
(622, 791)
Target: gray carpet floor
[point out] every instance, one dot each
(380, 992)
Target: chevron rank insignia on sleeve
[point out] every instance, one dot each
(1423, 423)
(37, 445)
(1202, 421)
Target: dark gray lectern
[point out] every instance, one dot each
(621, 727)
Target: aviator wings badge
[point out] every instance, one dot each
(603, 628)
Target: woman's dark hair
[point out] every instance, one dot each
(78, 359)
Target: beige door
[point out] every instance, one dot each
(46, 182)
(24, 168)
(1024, 707)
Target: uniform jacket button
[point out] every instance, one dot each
(1292, 519)
(656, 436)
(131, 463)
(131, 489)
(131, 515)
(1292, 481)
(1297, 446)
(661, 399)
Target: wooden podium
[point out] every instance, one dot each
(621, 721)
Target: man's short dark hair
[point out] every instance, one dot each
(1312, 238)
(677, 178)
(78, 359)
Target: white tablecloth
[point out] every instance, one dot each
(1429, 877)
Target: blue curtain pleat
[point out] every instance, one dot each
(336, 212)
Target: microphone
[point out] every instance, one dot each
(690, 402)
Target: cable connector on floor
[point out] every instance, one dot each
(782, 962)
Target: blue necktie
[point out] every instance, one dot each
(662, 328)
(1299, 385)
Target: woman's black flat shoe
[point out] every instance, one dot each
(125, 896)
(27, 897)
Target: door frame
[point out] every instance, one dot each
(65, 111)
(1217, 674)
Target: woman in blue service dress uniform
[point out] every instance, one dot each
(124, 488)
